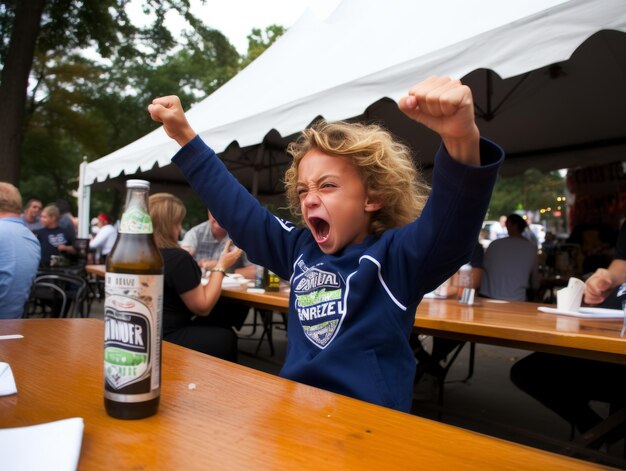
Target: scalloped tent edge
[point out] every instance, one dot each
(530, 98)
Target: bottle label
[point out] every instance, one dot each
(132, 335)
(136, 221)
(272, 281)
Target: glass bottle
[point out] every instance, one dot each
(133, 309)
(466, 292)
(271, 281)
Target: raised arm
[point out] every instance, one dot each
(201, 299)
(447, 107)
(169, 111)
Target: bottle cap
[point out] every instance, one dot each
(134, 183)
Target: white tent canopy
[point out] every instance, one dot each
(366, 51)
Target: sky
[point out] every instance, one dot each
(236, 18)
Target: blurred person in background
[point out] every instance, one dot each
(104, 239)
(608, 285)
(94, 227)
(188, 317)
(66, 221)
(19, 254)
(53, 239)
(207, 240)
(566, 385)
(510, 265)
(498, 230)
(32, 214)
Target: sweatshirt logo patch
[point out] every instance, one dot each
(320, 304)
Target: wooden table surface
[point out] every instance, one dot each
(235, 418)
(96, 269)
(521, 325)
(274, 301)
(511, 324)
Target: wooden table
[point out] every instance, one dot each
(520, 325)
(273, 301)
(512, 324)
(98, 270)
(270, 300)
(235, 418)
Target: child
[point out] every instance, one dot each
(361, 265)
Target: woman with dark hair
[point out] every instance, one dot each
(187, 303)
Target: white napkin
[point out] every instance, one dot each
(230, 281)
(7, 382)
(585, 312)
(53, 445)
(570, 298)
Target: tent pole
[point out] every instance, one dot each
(84, 200)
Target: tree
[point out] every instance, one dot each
(530, 191)
(78, 106)
(17, 59)
(259, 40)
(45, 28)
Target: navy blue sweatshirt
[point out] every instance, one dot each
(351, 312)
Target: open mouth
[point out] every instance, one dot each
(320, 229)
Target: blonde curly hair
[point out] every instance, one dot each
(385, 166)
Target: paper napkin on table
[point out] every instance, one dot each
(53, 445)
(7, 382)
(570, 298)
(233, 281)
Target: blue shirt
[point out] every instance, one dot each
(351, 312)
(19, 259)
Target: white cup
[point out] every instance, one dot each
(570, 298)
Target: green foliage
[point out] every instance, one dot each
(259, 41)
(7, 14)
(93, 74)
(531, 191)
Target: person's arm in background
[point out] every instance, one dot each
(245, 268)
(604, 280)
(248, 271)
(201, 299)
(69, 247)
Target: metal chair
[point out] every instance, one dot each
(74, 288)
(45, 300)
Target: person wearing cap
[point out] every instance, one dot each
(102, 242)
